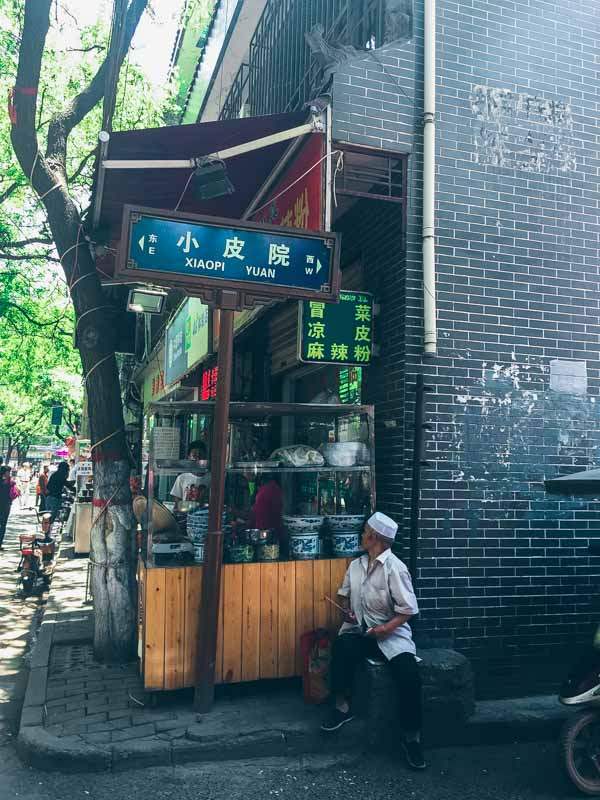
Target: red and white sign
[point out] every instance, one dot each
(300, 205)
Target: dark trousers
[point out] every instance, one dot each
(4, 512)
(350, 649)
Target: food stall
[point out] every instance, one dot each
(306, 468)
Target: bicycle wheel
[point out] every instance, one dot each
(580, 744)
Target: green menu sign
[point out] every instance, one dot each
(340, 333)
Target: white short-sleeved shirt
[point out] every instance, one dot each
(184, 484)
(377, 596)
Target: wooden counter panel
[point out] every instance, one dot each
(268, 613)
(264, 610)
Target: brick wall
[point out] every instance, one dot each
(504, 569)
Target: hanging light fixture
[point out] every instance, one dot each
(211, 180)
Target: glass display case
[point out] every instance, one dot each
(300, 481)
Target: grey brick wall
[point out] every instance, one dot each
(504, 568)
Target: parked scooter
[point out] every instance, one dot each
(37, 556)
(580, 739)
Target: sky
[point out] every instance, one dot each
(153, 42)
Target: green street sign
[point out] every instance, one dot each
(339, 333)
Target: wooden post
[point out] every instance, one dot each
(213, 553)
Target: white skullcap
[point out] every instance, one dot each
(383, 525)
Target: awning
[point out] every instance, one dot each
(584, 482)
(162, 188)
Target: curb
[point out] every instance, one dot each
(494, 723)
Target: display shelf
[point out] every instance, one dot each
(288, 470)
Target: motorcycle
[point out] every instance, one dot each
(37, 556)
(580, 737)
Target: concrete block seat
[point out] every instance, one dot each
(448, 695)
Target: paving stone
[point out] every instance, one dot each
(55, 730)
(119, 713)
(177, 733)
(97, 738)
(76, 704)
(139, 732)
(58, 703)
(98, 717)
(65, 716)
(78, 726)
(167, 725)
(54, 693)
(109, 725)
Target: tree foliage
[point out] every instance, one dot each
(38, 365)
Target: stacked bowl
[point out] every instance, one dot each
(304, 535)
(197, 528)
(345, 531)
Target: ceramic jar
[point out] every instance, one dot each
(345, 543)
(267, 552)
(304, 546)
(241, 553)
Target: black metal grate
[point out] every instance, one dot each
(374, 175)
(283, 72)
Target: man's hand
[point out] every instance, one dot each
(379, 632)
(350, 617)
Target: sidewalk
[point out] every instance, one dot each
(82, 716)
(19, 619)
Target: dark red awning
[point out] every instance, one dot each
(162, 188)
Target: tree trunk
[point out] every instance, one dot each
(113, 539)
(113, 558)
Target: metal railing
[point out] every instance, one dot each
(283, 72)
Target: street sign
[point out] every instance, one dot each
(340, 333)
(206, 254)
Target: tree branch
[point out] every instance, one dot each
(4, 304)
(89, 49)
(63, 123)
(25, 242)
(27, 257)
(82, 165)
(10, 191)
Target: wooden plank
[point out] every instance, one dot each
(193, 600)
(232, 623)
(174, 627)
(304, 605)
(219, 653)
(154, 630)
(251, 605)
(322, 587)
(338, 570)
(269, 578)
(286, 620)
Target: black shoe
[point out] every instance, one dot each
(413, 752)
(336, 720)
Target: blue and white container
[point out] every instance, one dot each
(345, 543)
(304, 546)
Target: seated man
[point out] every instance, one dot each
(379, 599)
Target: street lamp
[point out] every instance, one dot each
(146, 301)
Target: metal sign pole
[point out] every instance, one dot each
(213, 554)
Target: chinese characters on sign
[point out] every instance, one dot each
(208, 388)
(337, 334)
(297, 198)
(201, 253)
(187, 339)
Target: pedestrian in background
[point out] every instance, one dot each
(8, 493)
(56, 483)
(41, 489)
(24, 481)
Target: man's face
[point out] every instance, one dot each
(195, 454)
(367, 537)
